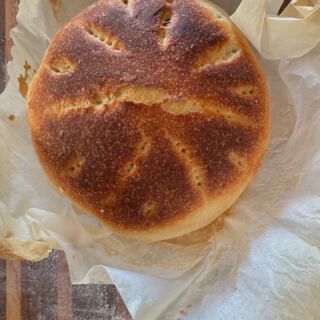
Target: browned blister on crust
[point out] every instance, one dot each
(151, 115)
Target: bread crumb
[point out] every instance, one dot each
(23, 84)
(12, 117)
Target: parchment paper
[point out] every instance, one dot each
(260, 261)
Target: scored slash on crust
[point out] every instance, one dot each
(149, 209)
(74, 166)
(141, 151)
(165, 22)
(214, 11)
(217, 55)
(158, 97)
(184, 152)
(246, 91)
(110, 41)
(131, 168)
(238, 161)
(62, 66)
(127, 4)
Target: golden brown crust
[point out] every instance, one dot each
(148, 112)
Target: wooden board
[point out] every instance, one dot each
(42, 290)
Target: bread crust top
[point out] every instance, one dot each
(143, 111)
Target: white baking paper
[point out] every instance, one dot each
(290, 35)
(260, 261)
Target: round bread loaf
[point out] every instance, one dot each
(151, 115)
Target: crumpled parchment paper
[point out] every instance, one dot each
(259, 261)
(293, 34)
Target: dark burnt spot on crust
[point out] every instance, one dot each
(132, 155)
